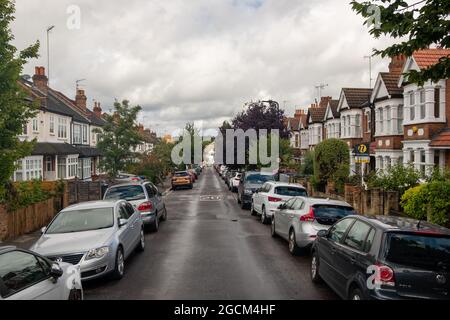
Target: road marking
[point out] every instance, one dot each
(210, 198)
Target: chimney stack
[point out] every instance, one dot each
(40, 80)
(97, 109)
(397, 63)
(80, 99)
(324, 101)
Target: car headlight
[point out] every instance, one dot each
(97, 253)
(248, 191)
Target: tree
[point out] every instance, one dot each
(423, 25)
(262, 115)
(118, 138)
(331, 163)
(15, 111)
(307, 167)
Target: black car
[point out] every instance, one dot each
(249, 183)
(383, 258)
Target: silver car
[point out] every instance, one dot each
(299, 219)
(145, 197)
(98, 236)
(25, 275)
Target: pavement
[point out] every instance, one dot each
(211, 249)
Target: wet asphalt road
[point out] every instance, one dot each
(211, 249)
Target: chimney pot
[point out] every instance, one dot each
(40, 80)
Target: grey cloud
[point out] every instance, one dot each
(200, 60)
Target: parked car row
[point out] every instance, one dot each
(83, 242)
(358, 257)
(187, 178)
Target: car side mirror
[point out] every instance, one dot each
(56, 271)
(122, 222)
(43, 229)
(322, 233)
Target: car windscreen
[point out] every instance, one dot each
(129, 193)
(291, 191)
(259, 178)
(181, 174)
(82, 220)
(329, 214)
(430, 252)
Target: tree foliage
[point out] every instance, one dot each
(397, 178)
(421, 26)
(331, 163)
(118, 138)
(307, 167)
(15, 111)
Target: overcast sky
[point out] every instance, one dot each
(200, 60)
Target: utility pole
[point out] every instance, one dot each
(48, 51)
(319, 88)
(370, 69)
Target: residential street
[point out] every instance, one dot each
(211, 249)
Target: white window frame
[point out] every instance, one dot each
(62, 128)
(51, 127)
(35, 125)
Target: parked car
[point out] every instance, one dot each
(98, 235)
(145, 198)
(234, 181)
(127, 177)
(249, 183)
(193, 175)
(230, 174)
(383, 258)
(26, 275)
(268, 198)
(300, 219)
(182, 179)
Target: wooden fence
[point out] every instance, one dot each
(25, 220)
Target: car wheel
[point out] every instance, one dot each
(273, 231)
(264, 218)
(155, 225)
(191, 186)
(141, 245)
(164, 216)
(356, 294)
(119, 268)
(315, 277)
(242, 205)
(293, 248)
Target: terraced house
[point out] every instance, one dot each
(387, 99)
(63, 129)
(426, 139)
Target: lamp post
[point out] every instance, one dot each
(48, 51)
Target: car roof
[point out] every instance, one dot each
(7, 249)
(93, 205)
(131, 183)
(259, 172)
(285, 184)
(393, 223)
(313, 201)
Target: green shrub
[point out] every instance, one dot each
(430, 201)
(25, 194)
(397, 178)
(307, 167)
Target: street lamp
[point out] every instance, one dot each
(48, 51)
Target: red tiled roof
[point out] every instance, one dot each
(334, 108)
(391, 82)
(356, 97)
(428, 57)
(294, 122)
(442, 139)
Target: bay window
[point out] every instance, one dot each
(388, 119)
(412, 105)
(52, 125)
(422, 104)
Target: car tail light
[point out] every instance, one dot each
(146, 206)
(384, 275)
(273, 199)
(135, 179)
(308, 217)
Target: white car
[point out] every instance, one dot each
(234, 182)
(268, 198)
(25, 275)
